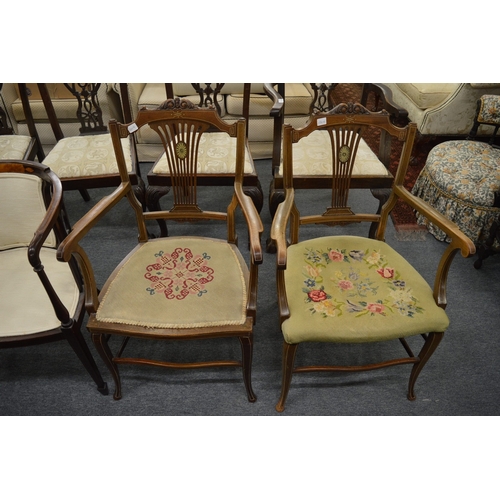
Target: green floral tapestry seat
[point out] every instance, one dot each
(349, 286)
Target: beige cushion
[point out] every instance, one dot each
(85, 156)
(65, 109)
(427, 95)
(354, 289)
(24, 305)
(312, 155)
(298, 101)
(22, 208)
(178, 282)
(216, 155)
(13, 147)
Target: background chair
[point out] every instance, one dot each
(15, 146)
(48, 304)
(313, 155)
(186, 287)
(351, 289)
(216, 158)
(87, 161)
(461, 179)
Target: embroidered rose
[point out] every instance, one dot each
(373, 258)
(335, 256)
(386, 272)
(345, 285)
(317, 295)
(326, 308)
(375, 308)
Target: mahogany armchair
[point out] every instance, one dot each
(338, 287)
(191, 286)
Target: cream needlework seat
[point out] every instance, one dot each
(88, 161)
(183, 287)
(45, 305)
(344, 288)
(461, 179)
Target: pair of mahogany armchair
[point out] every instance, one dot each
(332, 288)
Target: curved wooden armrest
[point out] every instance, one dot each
(459, 239)
(255, 226)
(90, 219)
(385, 95)
(279, 227)
(278, 101)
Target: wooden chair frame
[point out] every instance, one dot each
(54, 219)
(287, 222)
(169, 116)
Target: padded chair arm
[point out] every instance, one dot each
(384, 94)
(278, 101)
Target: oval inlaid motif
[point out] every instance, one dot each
(344, 153)
(181, 150)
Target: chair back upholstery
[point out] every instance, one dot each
(487, 113)
(23, 207)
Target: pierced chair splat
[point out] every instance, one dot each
(339, 287)
(188, 287)
(312, 157)
(216, 158)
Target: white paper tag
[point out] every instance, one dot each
(132, 128)
(321, 121)
(281, 101)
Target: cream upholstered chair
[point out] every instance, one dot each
(182, 287)
(17, 146)
(87, 161)
(342, 288)
(461, 178)
(48, 304)
(216, 154)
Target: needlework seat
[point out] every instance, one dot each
(461, 179)
(41, 299)
(338, 287)
(187, 286)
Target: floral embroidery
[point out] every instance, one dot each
(179, 274)
(358, 288)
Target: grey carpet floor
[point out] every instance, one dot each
(462, 378)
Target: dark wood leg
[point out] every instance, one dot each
(247, 353)
(382, 196)
(77, 342)
(257, 195)
(486, 249)
(104, 351)
(433, 340)
(153, 196)
(289, 351)
(85, 194)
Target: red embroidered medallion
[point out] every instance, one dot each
(179, 274)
